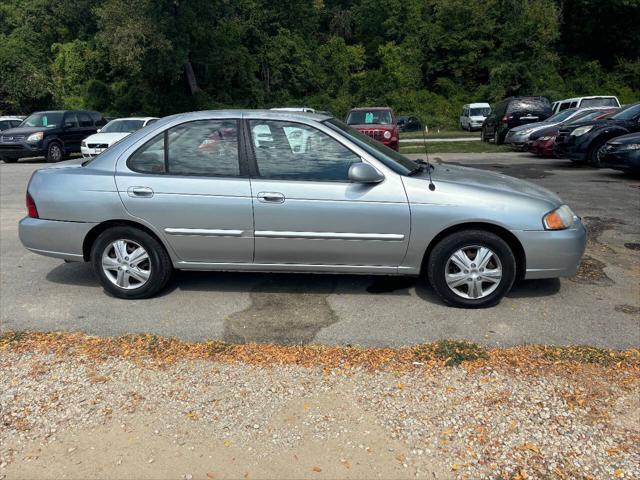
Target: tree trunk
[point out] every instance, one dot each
(191, 78)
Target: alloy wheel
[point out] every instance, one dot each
(126, 264)
(473, 272)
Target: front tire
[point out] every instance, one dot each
(54, 152)
(130, 263)
(595, 154)
(472, 269)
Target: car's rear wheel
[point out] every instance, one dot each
(596, 152)
(54, 152)
(483, 134)
(130, 263)
(497, 140)
(472, 269)
(8, 159)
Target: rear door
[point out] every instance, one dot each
(86, 127)
(307, 212)
(190, 184)
(71, 133)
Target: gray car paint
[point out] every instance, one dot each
(212, 223)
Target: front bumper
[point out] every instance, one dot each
(516, 141)
(91, 152)
(628, 160)
(54, 238)
(22, 150)
(551, 254)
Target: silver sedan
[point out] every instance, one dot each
(295, 192)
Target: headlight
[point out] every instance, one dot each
(387, 134)
(544, 139)
(83, 144)
(35, 137)
(559, 219)
(525, 132)
(630, 146)
(581, 131)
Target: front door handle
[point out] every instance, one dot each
(270, 197)
(140, 192)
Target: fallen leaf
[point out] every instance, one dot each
(317, 469)
(613, 451)
(210, 475)
(454, 466)
(400, 386)
(618, 473)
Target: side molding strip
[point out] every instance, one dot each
(394, 237)
(204, 232)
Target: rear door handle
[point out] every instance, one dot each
(140, 192)
(270, 197)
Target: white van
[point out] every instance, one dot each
(473, 115)
(584, 102)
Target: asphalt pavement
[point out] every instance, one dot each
(600, 306)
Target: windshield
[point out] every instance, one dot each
(563, 115)
(599, 102)
(628, 113)
(392, 159)
(43, 119)
(363, 117)
(122, 126)
(479, 112)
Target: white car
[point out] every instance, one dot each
(585, 102)
(8, 122)
(473, 115)
(112, 132)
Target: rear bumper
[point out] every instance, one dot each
(551, 254)
(54, 238)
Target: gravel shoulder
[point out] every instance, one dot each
(66, 413)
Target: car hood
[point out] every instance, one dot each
(626, 139)
(108, 138)
(534, 125)
(23, 130)
(490, 180)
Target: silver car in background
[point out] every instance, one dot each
(295, 192)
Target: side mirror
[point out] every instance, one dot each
(364, 173)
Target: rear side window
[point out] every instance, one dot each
(71, 120)
(200, 148)
(531, 105)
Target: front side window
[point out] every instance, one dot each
(294, 151)
(201, 148)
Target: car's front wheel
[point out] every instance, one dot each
(54, 152)
(130, 263)
(472, 269)
(596, 152)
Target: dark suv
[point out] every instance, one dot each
(588, 141)
(52, 134)
(513, 112)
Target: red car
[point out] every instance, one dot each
(378, 123)
(543, 146)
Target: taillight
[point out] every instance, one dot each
(505, 119)
(32, 210)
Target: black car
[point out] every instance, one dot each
(409, 123)
(513, 112)
(586, 143)
(622, 153)
(52, 134)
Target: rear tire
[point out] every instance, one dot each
(497, 140)
(55, 153)
(476, 284)
(130, 263)
(483, 134)
(8, 159)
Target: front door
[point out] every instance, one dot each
(189, 184)
(306, 212)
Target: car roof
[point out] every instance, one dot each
(477, 105)
(133, 118)
(356, 109)
(10, 117)
(585, 98)
(249, 113)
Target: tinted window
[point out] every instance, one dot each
(531, 105)
(599, 102)
(43, 119)
(4, 125)
(85, 120)
(299, 152)
(363, 117)
(71, 120)
(14, 123)
(204, 147)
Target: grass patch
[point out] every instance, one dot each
(451, 352)
(455, 147)
(441, 134)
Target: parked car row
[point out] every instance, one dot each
(57, 134)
